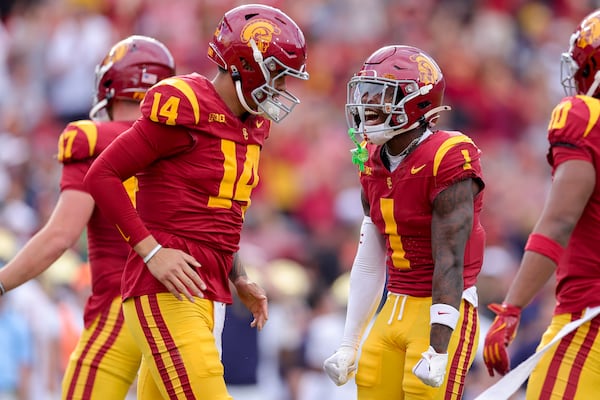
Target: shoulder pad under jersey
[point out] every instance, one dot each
(173, 101)
(574, 119)
(456, 151)
(78, 141)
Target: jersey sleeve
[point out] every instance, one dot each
(129, 154)
(77, 142)
(104, 182)
(172, 101)
(72, 176)
(573, 124)
(457, 159)
(77, 147)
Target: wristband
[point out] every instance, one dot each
(444, 314)
(152, 253)
(2, 289)
(545, 246)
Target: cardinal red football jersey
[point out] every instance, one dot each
(402, 204)
(196, 164)
(574, 134)
(78, 145)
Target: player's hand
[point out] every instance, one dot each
(255, 299)
(501, 333)
(341, 366)
(173, 268)
(431, 368)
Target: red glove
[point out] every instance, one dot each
(501, 334)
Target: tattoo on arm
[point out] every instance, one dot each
(450, 229)
(451, 226)
(237, 269)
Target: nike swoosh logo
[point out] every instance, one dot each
(443, 313)
(127, 238)
(414, 169)
(259, 123)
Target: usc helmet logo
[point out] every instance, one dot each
(262, 31)
(428, 71)
(590, 33)
(115, 54)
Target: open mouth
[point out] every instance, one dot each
(373, 116)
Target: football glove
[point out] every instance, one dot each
(341, 366)
(431, 368)
(501, 333)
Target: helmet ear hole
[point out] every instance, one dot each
(585, 71)
(246, 65)
(424, 104)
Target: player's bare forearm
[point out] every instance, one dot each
(450, 229)
(573, 184)
(67, 222)
(250, 293)
(532, 275)
(237, 269)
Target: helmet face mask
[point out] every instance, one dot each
(568, 69)
(274, 102)
(130, 68)
(260, 47)
(377, 105)
(580, 65)
(397, 89)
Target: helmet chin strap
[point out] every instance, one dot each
(102, 104)
(428, 114)
(379, 134)
(240, 95)
(258, 58)
(96, 108)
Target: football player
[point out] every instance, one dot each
(106, 360)
(564, 239)
(195, 153)
(422, 197)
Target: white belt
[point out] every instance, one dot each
(469, 295)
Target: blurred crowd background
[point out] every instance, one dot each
(501, 61)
